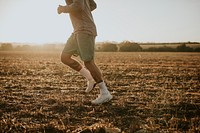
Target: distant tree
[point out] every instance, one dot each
(183, 48)
(127, 46)
(23, 47)
(155, 49)
(49, 47)
(197, 49)
(107, 47)
(151, 49)
(6, 46)
(165, 49)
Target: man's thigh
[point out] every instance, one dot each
(86, 45)
(71, 45)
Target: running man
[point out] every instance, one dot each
(82, 42)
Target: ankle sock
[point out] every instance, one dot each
(85, 73)
(103, 88)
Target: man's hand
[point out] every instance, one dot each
(60, 9)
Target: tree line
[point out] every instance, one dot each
(128, 46)
(125, 46)
(26, 47)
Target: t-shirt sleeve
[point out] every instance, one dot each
(93, 5)
(77, 5)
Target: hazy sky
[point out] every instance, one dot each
(36, 21)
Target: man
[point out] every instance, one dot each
(82, 42)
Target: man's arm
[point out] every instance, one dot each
(68, 2)
(93, 5)
(77, 5)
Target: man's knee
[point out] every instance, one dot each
(65, 58)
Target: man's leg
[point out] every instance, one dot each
(94, 70)
(97, 76)
(72, 63)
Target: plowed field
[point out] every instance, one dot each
(153, 92)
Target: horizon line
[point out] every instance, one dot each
(33, 43)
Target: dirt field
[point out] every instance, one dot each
(153, 92)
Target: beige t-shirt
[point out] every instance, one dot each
(81, 16)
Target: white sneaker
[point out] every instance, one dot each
(90, 85)
(102, 98)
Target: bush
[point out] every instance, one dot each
(183, 48)
(107, 47)
(127, 46)
(197, 49)
(6, 46)
(160, 49)
(23, 48)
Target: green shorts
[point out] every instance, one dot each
(81, 44)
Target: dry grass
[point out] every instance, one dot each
(153, 92)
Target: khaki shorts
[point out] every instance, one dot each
(81, 44)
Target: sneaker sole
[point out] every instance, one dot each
(106, 100)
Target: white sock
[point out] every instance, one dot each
(103, 88)
(84, 72)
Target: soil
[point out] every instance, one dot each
(153, 92)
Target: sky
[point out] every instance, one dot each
(37, 21)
